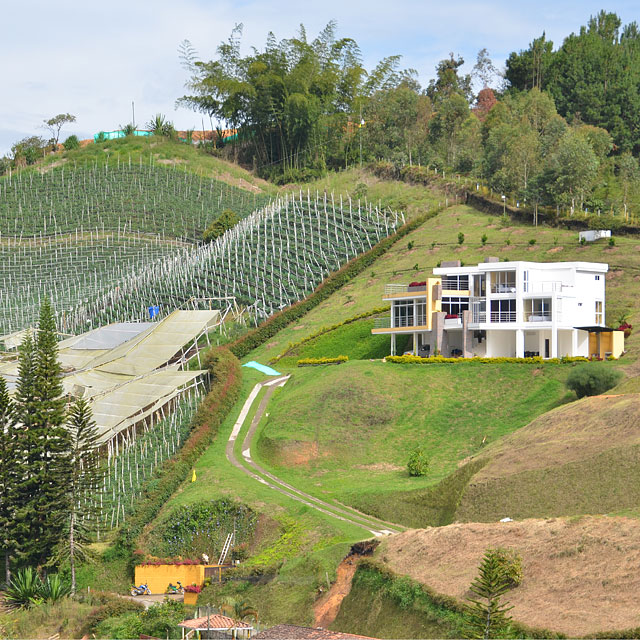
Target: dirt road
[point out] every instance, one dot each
(340, 512)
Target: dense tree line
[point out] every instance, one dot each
(48, 460)
(561, 131)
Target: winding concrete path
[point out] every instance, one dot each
(345, 514)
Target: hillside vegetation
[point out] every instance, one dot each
(580, 458)
(437, 239)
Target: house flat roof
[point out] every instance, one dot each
(215, 622)
(601, 267)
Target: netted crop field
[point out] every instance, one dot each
(271, 259)
(70, 269)
(141, 197)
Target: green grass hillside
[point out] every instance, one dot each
(346, 431)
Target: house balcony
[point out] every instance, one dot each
(504, 288)
(537, 317)
(405, 290)
(453, 322)
(402, 325)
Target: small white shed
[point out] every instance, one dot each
(594, 234)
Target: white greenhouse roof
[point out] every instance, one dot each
(122, 369)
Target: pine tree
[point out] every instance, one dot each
(27, 450)
(84, 482)
(486, 616)
(8, 461)
(43, 500)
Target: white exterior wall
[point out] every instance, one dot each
(573, 289)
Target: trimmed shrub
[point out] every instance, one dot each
(409, 359)
(418, 464)
(592, 379)
(304, 362)
(71, 143)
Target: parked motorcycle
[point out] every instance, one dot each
(142, 590)
(175, 588)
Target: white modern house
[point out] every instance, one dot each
(504, 309)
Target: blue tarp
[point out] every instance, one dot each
(112, 135)
(261, 367)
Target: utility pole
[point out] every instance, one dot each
(133, 114)
(360, 127)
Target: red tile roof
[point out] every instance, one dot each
(293, 632)
(216, 623)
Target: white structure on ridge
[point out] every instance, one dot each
(505, 309)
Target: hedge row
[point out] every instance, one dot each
(226, 379)
(409, 359)
(313, 361)
(278, 321)
(323, 330)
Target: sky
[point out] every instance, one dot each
(93, 59)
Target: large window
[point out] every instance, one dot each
(599, 314)
(403, 313)
(537, 310)
(479, 288)
(421, 314)
(503, 282)
(454, 306)
(455, 283)
(503, 311)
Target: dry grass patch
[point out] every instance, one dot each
(580, 576)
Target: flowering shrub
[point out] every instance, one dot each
(193, 588)
(314, 361)
(409, 359)
(418, 284)
(627, 328)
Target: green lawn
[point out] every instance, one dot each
(353, 340)
(344, 431)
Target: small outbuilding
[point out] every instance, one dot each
(215, 626)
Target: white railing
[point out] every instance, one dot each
(503, 316)
(549, 286)
(479, 316)
(382, 323)
(454, 285)
(537, 317)
(392, 289)
(503, 287)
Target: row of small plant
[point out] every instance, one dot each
(410, 359)
(303, 362)
(126, 473)
(153, 197)
(269, 260)
(279, 320)
(295, 345)
(69, 268)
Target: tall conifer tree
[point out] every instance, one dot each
(43, 501)
(8, 462)
(84, 481)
